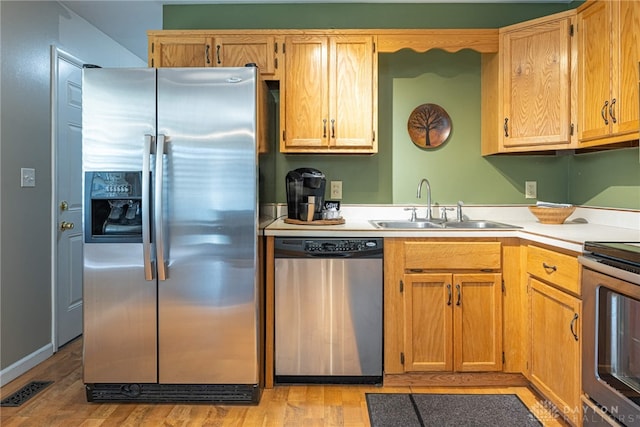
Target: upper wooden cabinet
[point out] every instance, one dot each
(189, 49)
(330, 94)
(535, 66)
(239, 50)
(180, 51)
(609, 55)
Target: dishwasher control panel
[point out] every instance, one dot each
(301, 247)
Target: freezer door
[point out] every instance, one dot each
(119, 316)
(120, 327)
(206, 212)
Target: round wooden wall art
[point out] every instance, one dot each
(429, 125)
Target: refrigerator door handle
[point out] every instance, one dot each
(157, 212)
(149, 141)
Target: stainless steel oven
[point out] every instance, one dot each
(611, 330)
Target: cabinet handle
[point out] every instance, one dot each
(333, 128)
(218, 54)
(612, 111)
(449, 294)
(506, 127)
(459, 294)
(549, 268)
(324, 128)
(206, 54)
(603, 112)
(573, 322)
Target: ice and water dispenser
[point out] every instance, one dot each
(114, 207)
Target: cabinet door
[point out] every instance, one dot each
(428, 302)
(536, 70)
(306, 86)
(237, 51)
(626, 68)
(180, 52)
(477, 322)
(351, 92)
(594, 53)
(555, 364)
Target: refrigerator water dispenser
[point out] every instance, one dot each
(114, 201)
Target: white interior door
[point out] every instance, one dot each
(67, 198)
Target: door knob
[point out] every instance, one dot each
(64, 205)
(64, 225)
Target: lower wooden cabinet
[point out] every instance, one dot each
(443, 305)
(555, 359)
(453, 322)
(555, 366)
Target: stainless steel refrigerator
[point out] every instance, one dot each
(171, 287)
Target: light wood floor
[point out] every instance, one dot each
(64, 404)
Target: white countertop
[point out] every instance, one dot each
(585, 224)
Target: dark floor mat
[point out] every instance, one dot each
(408, 410)
(25, 393)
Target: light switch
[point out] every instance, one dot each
(336, 190)
(27, 177)
(530, 189)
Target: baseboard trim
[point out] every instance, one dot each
(456, 379)
(32, 360)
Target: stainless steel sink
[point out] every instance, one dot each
(475, 224)
(404, 223)
(421, 224)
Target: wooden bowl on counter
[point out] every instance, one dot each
(549, 215)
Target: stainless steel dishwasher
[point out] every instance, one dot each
(328, 310)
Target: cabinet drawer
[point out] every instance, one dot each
(559, 269)
(452, 255)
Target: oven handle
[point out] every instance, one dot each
(573, 321)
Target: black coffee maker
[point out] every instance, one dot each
(302, 183)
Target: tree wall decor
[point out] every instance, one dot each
(429, 125)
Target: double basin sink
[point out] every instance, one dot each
(421, 224)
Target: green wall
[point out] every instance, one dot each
(354, 15)
(456, 169)
(407, 79)
(608, 178)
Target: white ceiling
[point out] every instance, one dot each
(128, 21)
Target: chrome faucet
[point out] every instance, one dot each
(419, 194)
(459, 215)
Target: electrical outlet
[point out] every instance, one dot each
(336, 190)
(530, 189)
(27, 177)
